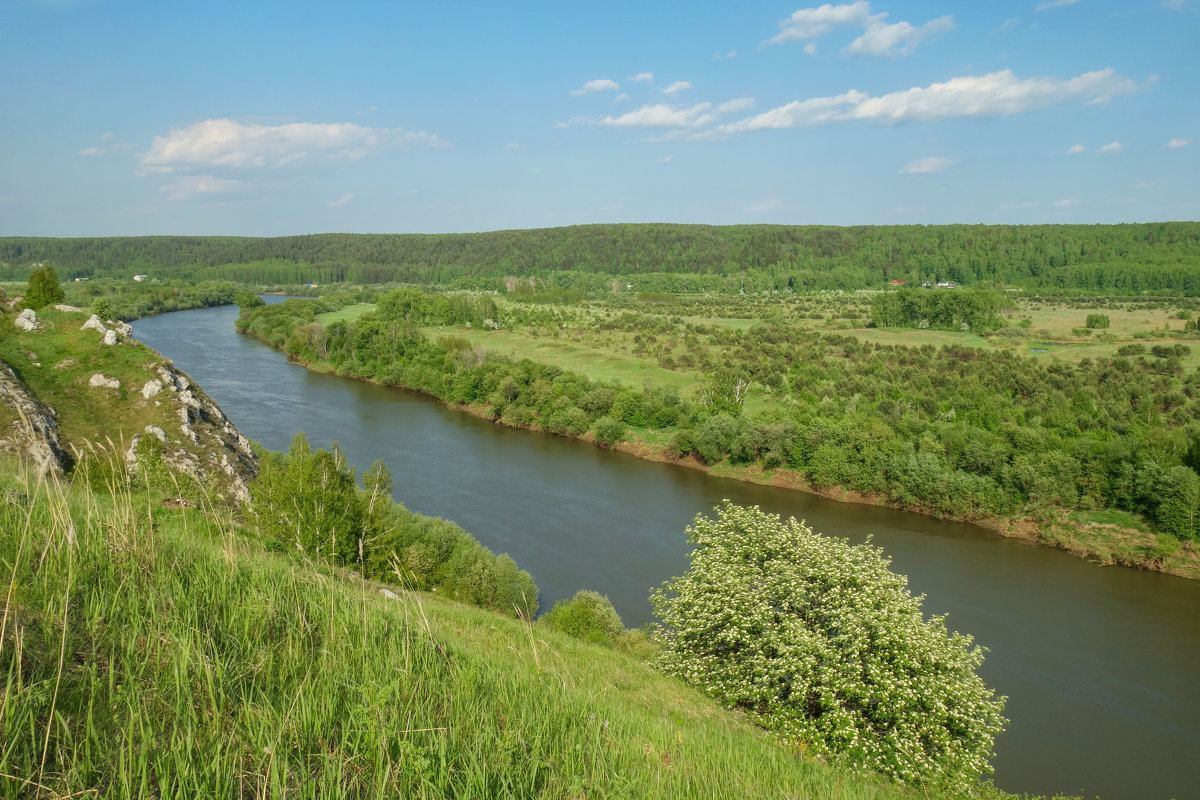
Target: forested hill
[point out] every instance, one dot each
(1131, 257)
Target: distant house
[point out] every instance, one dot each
(140, 278)
(946, 284)
(897, 283)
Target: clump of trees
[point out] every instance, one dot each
(308, 500)
(821, 643)
(948, 310)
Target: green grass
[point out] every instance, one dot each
(346, 314)
(599, 363)
(148, 652)
(61, 359)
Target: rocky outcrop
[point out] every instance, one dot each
(34, 434)
(27, 321)
(102, 381)
(209, 446)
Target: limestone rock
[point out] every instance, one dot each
(93, 324)
(152, 387)
(110, 338)
(157, 432)
(35, 433)
(65, 307)
(100, 380)
(66, 362)
(27, 321)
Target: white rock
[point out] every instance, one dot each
(157, 431)
(390, 595)
(125, 329)
(65, 307)
(93, 324)
(110, 337)
(151, 388)
(100, 380)
(27, 320)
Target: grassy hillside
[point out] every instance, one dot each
(156, 652)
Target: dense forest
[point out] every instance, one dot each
(1162, 256)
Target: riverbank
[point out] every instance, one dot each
(1104, 537)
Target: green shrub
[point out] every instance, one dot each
(609, 431)
(588, 616)
(1097, 321)
(824, 645)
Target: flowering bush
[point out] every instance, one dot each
(824, 645)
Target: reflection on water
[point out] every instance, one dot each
(1099, 663)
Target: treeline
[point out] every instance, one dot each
(956, 431)
(130, 301)
(1119, 258)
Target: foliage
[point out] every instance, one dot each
(102, 308)
(43, 289)
(826, 647)
(588, 615)
(948, 310)
(308, 500)
(1097, 321)
(248, 299)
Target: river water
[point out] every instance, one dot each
(1100, 664)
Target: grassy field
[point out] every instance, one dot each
(347, 314)
(155, 652)
(607, 361)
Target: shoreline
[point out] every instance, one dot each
(1063, 533)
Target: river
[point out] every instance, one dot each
(1100, 664)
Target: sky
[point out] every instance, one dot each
(272, 118)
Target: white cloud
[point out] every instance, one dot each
(1175, 144)
(226, 143)
(677, 86)
(1111, 147)
(663, 116)
(809, 23)
(1175, 5)
(882, 39)
(725, 56)
(1010, 25)
(999, 94)
(763, 206)
(341, 201)
(598, 85)
(735, 105)
(1049, 4)
(643, 77)
(879, 38)
(665, 160)
(93, 151)
(108, 137)
(513, 146)
(1075, 149)
(1066, 202)
(622, 96)
(189, 186)
(926, 166)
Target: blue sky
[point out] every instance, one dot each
(248, 118)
